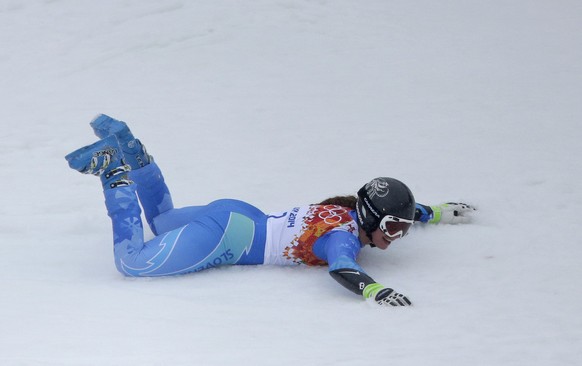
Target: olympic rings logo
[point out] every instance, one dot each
(332, 214)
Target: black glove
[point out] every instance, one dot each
(385, 296)
(388, 296)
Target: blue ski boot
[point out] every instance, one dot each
(104, 159)
(134, 152)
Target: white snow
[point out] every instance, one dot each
(282, 103)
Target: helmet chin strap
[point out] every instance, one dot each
(369, 235)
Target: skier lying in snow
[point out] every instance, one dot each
(228, 231)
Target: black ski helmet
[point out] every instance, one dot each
(380, 197)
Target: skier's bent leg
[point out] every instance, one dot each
(153, 193)
(211, 240)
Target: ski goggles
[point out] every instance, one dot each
(395, 227)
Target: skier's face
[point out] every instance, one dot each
(380, 240)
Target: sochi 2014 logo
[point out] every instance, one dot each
(377, 187)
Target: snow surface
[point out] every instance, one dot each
(282, 103)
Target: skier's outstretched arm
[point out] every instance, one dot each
(341, 249)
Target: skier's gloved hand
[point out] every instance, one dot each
(451, 213)
(385, 296)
